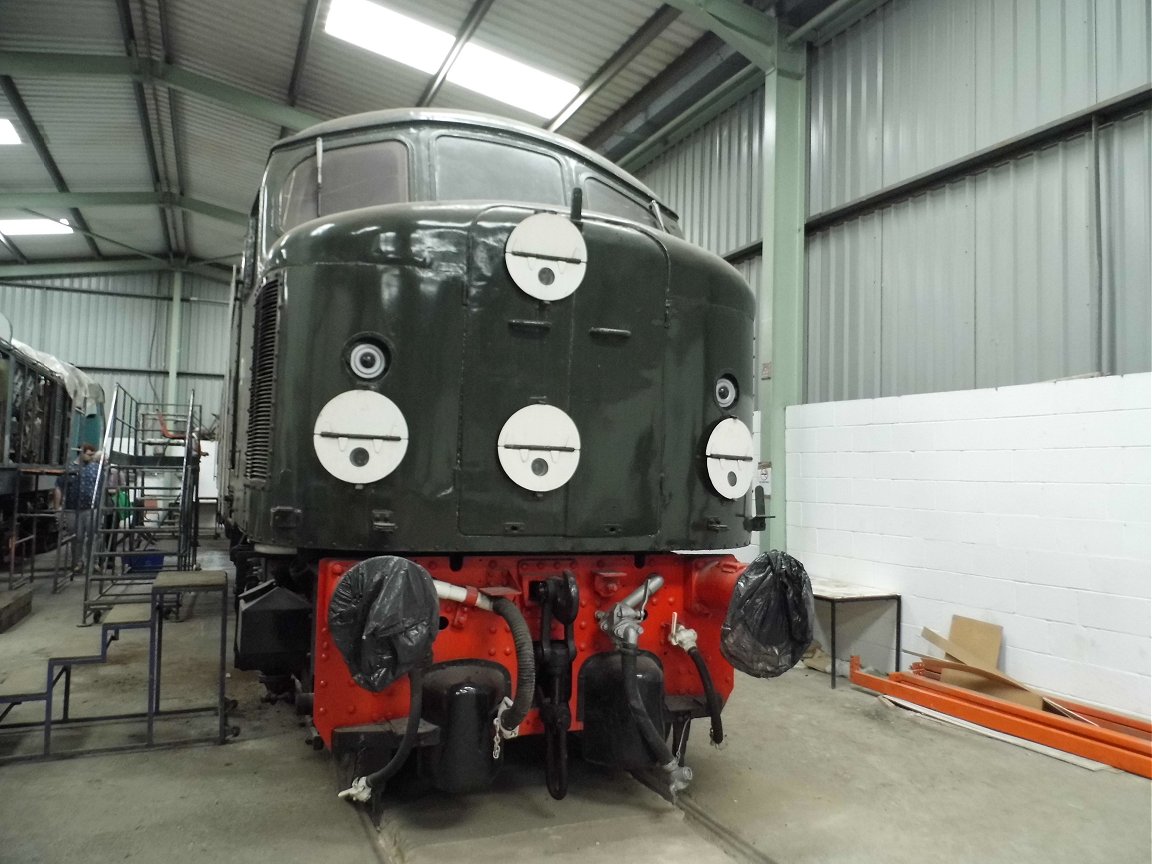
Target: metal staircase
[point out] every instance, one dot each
(150, 618)
(146, 503)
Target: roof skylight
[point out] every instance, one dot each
(30, 227)
(421, 46)
(8, 133)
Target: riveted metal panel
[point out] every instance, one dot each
(1126, 226)
(713, 178)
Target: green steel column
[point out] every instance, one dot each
(174, 330)
(781, 329)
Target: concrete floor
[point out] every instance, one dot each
(808, 774)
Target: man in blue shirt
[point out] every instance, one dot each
(73, 499)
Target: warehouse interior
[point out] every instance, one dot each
(943, 209)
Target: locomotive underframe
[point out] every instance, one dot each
(474, 659)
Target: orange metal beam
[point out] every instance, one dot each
(1128, 753)
(1056, 721)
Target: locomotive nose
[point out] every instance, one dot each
(360, 436)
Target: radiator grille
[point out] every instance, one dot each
(265, 325)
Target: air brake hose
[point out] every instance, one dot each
(362, 787)
(712, 700)
(415, 703)
(525, 663)
(648, 731)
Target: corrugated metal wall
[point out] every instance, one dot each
(713, 178)
(116, 328)
(993, 278)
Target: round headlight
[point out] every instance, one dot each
(726, 391)
(367, 360)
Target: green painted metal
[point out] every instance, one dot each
(51, 200)
(36, 64)
(123, 265)
(174, 336)
(749, 31)
(781, 332)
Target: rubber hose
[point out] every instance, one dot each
(525, 662)
(651, 736)
(710, 697)
(415, 704)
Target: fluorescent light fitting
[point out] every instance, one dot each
(8, 133)
(518, 84)
(30, 227)
(424, 47)
(389, 34)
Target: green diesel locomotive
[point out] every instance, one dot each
(472, 354)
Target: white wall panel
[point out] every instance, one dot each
(1026, 506)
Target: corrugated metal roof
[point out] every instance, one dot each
(211, 238)
(210, 152)
(250, 44)
(20, 168)
(81, 26)
(673, 42)
(224, 152)
(93, 130)
(138, 227)
(345, 79)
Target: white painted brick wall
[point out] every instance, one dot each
(1025, 506)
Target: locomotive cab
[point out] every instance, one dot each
(480, 360)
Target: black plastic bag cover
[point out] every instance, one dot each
(769, 622)
(383, 616)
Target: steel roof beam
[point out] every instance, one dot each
(688, 79)
(68, 200)
(748, 30)
(129, 33)
(467, 29)
(13, 248)
(113, 265)
(36, 64)
(32, 132)
(629, 51)
(303, 46)
(163, 30)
